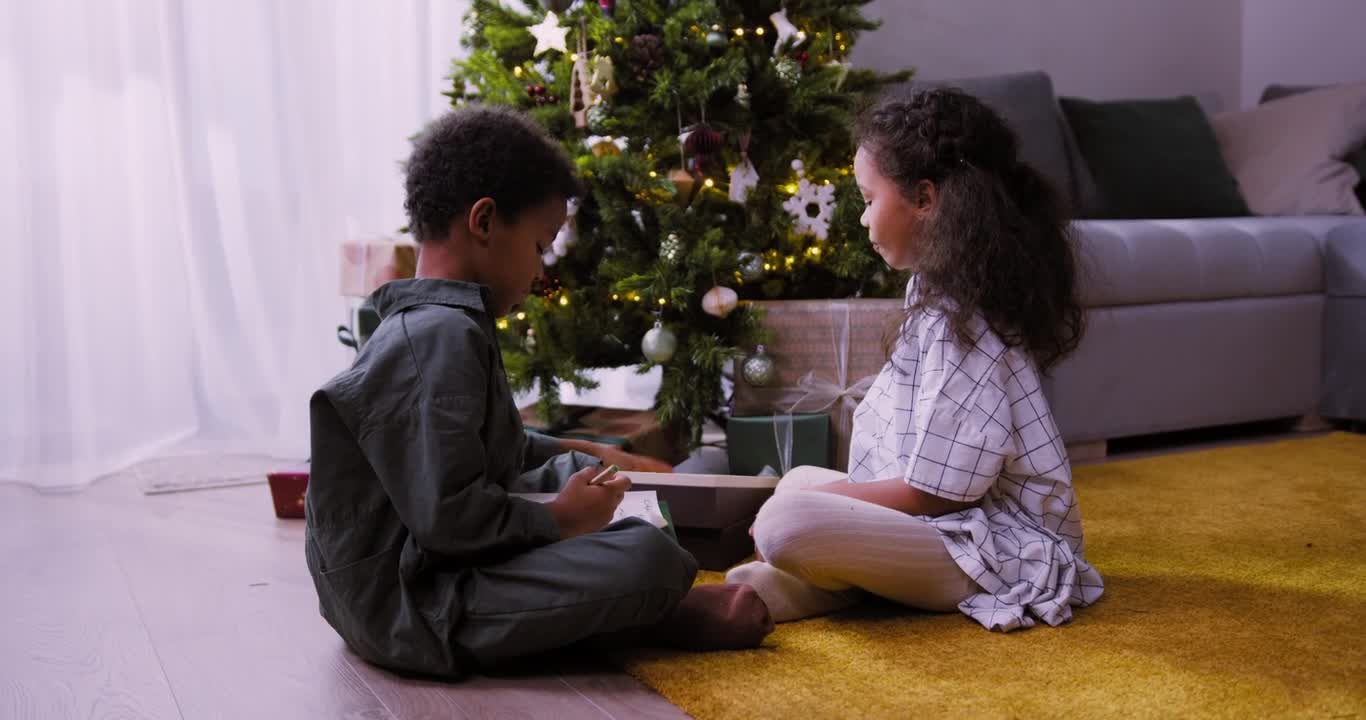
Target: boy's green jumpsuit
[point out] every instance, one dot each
(421, 560)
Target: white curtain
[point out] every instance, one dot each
(175, 177)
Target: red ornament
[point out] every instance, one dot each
(703, 144)
(703, 139)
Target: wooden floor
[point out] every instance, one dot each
(198, 605)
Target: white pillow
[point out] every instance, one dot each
(1287, 154)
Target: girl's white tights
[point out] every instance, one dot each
(822, 551)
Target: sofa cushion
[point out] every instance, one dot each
(1288, 154)
(1138, 262)
(1356, 159)
(1027, 103)
(1154, 158)
(1344, 261)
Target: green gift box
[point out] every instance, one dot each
(753, 442)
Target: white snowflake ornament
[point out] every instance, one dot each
(811, 208)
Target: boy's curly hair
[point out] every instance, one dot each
(999, 242)
(482, 151)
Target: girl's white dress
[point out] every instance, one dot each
(969, 423)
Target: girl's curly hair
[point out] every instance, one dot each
(999, 242)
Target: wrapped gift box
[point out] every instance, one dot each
(365, 265)
(753, 443)
(826, 353)
(636, 431)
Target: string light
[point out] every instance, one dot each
(662, 301)
(739, 32)
(502, 323)
(654, 174)
(564, 300)
(759, 31)
(517, 70)
(709, 182)
(614, 296)
(521, 316)
(573, 57)
(791, 188)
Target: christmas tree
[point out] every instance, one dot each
(713, 137)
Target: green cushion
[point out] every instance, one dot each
(1154, 158)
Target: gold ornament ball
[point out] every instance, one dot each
(605, 148)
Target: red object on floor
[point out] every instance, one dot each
(287, 490)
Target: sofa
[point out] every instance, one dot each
(1194, 322)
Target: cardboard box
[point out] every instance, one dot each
(712, 514)
(807, 338)
(636, 431)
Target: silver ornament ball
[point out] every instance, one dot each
(598, 115)
(788, 71)
(751, 266)
(759, 369)
(659, 344)
(672, 248)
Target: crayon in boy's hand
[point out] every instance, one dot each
(604, 476)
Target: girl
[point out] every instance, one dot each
(959, 493)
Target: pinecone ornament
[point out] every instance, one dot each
(646, 55)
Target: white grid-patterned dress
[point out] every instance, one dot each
(972, 423)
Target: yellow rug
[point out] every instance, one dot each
(1235, 587)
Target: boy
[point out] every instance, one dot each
(421, 560)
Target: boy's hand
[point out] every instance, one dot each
(582, 508)
(628, 461)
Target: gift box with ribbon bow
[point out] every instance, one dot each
(827, 354)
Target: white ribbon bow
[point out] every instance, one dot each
(815, 394)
